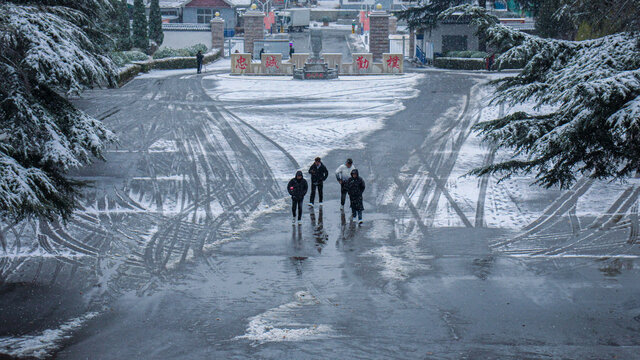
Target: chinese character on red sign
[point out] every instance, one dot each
(241, 63)
(393, 62)
(363, 63)
(271, 62)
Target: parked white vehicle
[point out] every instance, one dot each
(294, 19)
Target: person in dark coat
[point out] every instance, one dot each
(319, 174)
(199, 60)
(260, 55)
(291, 50)
(297, 188)
(355, 187)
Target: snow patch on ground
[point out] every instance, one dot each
(41, 346)
(278, 324)
(311, 118)
(163, 146)
(394, 265)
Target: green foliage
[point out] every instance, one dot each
(122, 58)
(602, 17)
(326, 19)
(583, 19)
(155, 23)
(467, 54)
(185, 52)
(48, 50)
(459, 63)
(549, 24)
(123, 40)
(425, 15)
(127, 73)
(140, 38)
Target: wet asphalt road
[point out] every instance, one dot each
(391, 288)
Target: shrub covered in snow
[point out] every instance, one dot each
(188, 51)
(47, 51)
(467, 54)
(593, 90)
(122, 58)
(459, 63)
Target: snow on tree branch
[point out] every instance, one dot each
(46, 52)
(592, 87)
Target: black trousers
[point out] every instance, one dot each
(343, 193)
(296, 204)
(312, 198)
(199, 67)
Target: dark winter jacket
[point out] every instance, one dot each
(318, 174)
(297, 188)
(199, 58)
(355, 187)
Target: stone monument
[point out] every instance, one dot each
(315, 67)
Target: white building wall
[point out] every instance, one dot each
(182, 39)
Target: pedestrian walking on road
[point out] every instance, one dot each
(291, 50)
(319, 174)
(343, 173)
(199, 60)
(355, 186)
(297, 188)
(261, 52)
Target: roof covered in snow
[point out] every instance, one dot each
(235, 3)
(208, 3)
(172, 3)
(165, 4)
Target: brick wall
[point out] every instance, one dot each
(253, 29)
(217, 34)
(378, 34)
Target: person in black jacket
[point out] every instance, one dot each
(297, 188)
(199, 60)
(319, 174)
(355, 187)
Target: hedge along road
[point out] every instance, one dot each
(199, 157)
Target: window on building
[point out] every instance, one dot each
(168, 12)
(454, 43)
(205, 15)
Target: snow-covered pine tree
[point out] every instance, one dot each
(47, 50)
(425, 14)
(598, 18)
(140, 30)
(124, 29)
(155, 22)
(593, 89)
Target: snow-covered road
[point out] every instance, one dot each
(183, 246)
